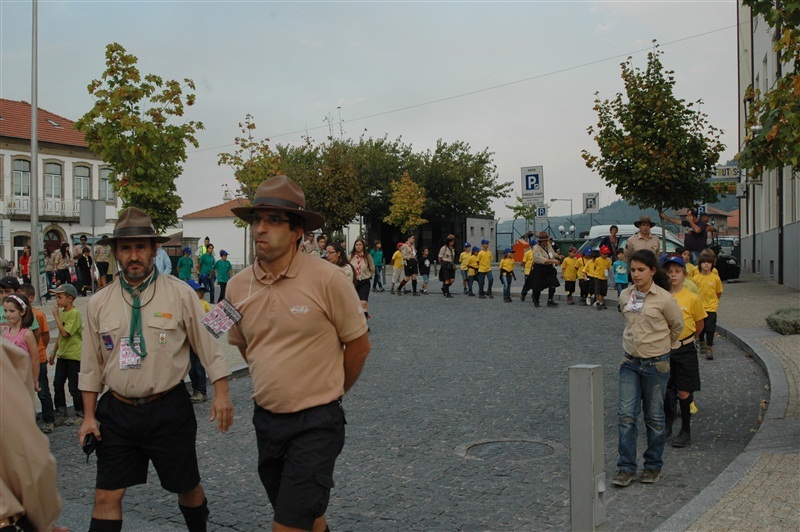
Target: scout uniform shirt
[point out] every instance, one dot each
(171, 321)
(653, 330)
(637, 242)
(292, 330)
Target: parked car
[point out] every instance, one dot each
(727, 264)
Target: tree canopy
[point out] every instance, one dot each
(656, 150)
(408, 202)
(773, 121)
(131, 127)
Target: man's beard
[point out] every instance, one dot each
(136, 276)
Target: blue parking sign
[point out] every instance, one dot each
(531, 181)
(541, 212)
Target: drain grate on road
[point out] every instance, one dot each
(514, 450)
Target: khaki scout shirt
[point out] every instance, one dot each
(27, 469)
(653, 331)
(171, 322)
(292, 330)
(446, 254)
(637, 242)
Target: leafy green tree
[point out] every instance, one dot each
(655, 149)
(408, 203)
(458, 181)
(773, 121)
(132, 127)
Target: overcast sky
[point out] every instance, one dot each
(516, 77)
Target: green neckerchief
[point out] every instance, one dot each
(136, 311)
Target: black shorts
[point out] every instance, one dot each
(163, 432)
(411, 267)
(296, 456)
(569, 287)
(102, 268)
(362, 288)
(601, 287)
(684, 371)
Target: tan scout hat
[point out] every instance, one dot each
(133, 223)
(282, 194)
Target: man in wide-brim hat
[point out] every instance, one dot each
(643, 239)
(136, 340)
(304, 336)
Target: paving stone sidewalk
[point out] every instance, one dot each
(459, 422)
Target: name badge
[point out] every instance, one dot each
(636, 302)
(221, 318)
(128, 359)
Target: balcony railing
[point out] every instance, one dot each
(48, 207)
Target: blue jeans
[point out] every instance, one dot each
(197, 374)
(642, 383)
(481, 277)
(621, 287)
(506, 280)
(376, 279)
(48, 412)
(208, 284)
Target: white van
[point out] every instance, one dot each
(597, 232)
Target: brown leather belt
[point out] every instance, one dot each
(11, 520)
(142, 401)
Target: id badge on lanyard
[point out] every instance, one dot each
(221, 318)
(128, 359)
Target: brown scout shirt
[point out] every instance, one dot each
(656, 329)
(292, 329)
(27, 469)
(637, 242)
(171, 321)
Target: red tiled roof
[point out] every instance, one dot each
(16, 123)
(218, 211)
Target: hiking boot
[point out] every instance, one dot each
(382, 289)
(415, 294)
(570, 301)
(390, 291)
(72, 421)
(47, 428)
(506, 300)
(682, 440)
(471, 294)
(709, 353)
(61, 420)
(650, 476)
(481, 296)
(399, 292)
(522, 298)
(551, 303)
(491, 296)
(198, 397)
(622, 478)
(448, 295)
(703, 348)
(536, 303)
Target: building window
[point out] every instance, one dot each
(106, 188)
(83, 181)
(22, 177)
(53, 181)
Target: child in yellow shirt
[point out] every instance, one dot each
(527, 263)
(569, 272)
(583, 280)
(588, 271)
(463, 259)
(602, 265)
(507, 273)
(397, 267)
(710, 287)
(472, 270)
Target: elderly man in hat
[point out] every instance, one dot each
(304, 336)
(643, 239)
(136, 341)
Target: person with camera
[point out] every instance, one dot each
(137, 339)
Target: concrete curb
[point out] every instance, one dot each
(776, 434)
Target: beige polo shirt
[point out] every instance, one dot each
(653, 331)
(171, 322)
(637, 242)
(292, 330)
(27, 469)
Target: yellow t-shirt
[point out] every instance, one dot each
(601, 266)
(588, 268)
(206, 305)
(397, 260)
(709, 285)
(527, 260)
(464, 259)
(569, 269)
(692, 310)
(473, 265)
(691, 270)
(507, 264)
(484, 261)
(691, 287)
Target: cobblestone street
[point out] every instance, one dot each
(445, 376)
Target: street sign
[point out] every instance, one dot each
(541, 212)
(713, 222)
(532, 182)
(591, 202)
(730, 172)
(702, 209)
(93, 213)
(531, 201)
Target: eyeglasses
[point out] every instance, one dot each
(271, 220)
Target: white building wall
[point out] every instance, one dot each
(222, 233)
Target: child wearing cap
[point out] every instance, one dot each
(197, 373)
(602, 265)
(463, 259)
(588, 270)
(68, 350)
(684, 378)
(222, 269)
(507, 273)
(185, 264)
(397, 267)
(710, 287)
(485, 270)
(569, 272)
